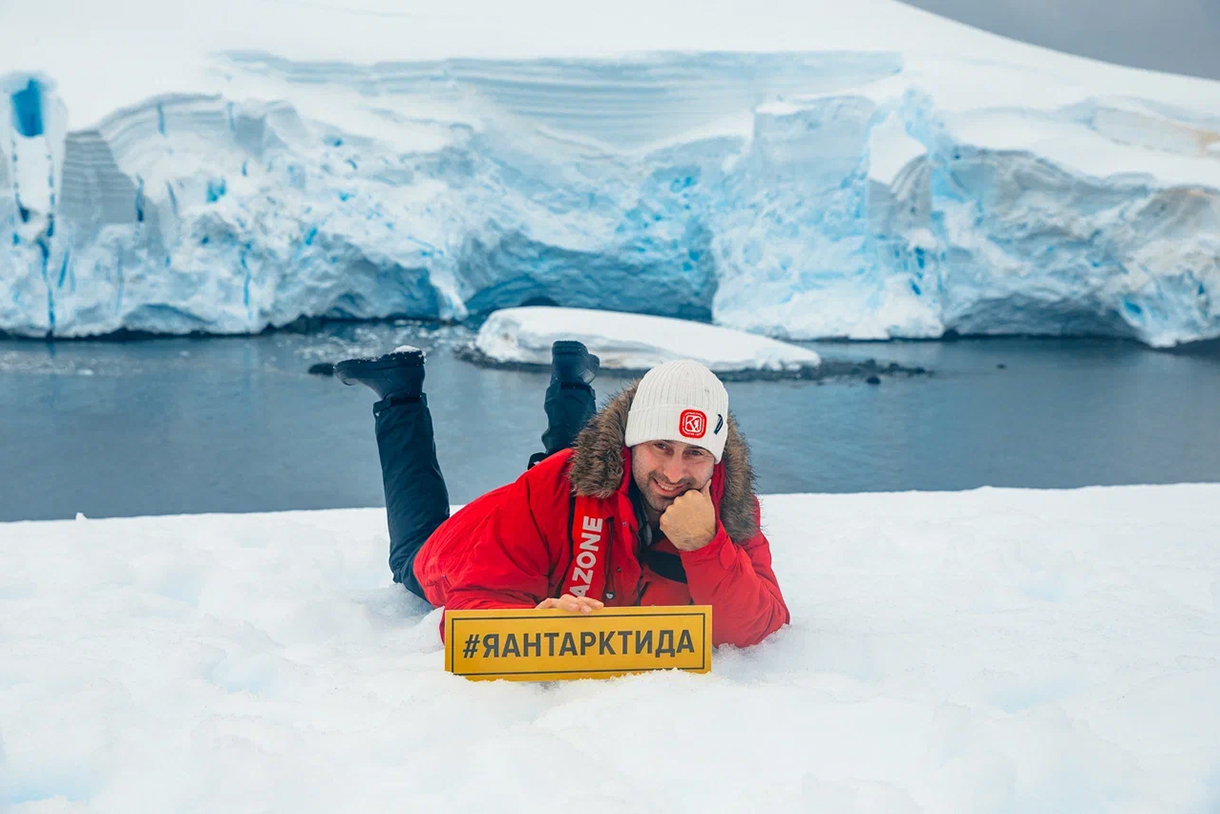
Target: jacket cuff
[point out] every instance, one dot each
(720, 550)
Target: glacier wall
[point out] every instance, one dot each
(803, 196)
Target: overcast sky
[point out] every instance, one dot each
(1182, 36)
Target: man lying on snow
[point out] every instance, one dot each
(652, 504)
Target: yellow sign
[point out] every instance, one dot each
(552, 645)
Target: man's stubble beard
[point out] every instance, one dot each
(664, 502)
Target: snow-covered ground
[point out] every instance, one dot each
(990, 651)
(803, 169)
(633, 341)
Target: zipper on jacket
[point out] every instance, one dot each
(639, 583)
(641, 520)
(609, 593)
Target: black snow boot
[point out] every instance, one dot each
(398, 375)
(570, 401)
(571, 363)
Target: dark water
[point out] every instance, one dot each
(224, 425)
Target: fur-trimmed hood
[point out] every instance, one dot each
(598, 466)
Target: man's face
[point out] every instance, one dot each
(665, 469)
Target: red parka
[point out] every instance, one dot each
(569, 526)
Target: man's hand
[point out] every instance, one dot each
(690, 521)
(571, 604)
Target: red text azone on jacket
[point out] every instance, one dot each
(536, 538)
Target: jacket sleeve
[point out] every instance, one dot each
(510, 562)
(737, 581)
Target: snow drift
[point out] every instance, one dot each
(852, 186)
(990, 651)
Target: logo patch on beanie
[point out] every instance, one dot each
(692, 424)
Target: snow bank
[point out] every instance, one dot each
(801, 169)
(998, 650)
(632, 342)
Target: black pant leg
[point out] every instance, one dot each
(568, 408)
(416, 500)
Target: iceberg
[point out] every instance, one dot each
(869, 174)
(633, 341)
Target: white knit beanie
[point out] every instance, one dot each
(680, 401)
